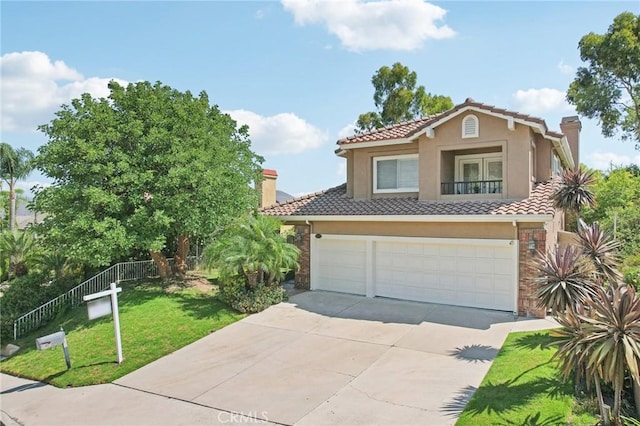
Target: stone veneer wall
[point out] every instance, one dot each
(527, 300)
(303, 242)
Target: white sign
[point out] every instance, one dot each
(99, 307)
(113, 293)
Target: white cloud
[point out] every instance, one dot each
(284, 133)
(348, 130)
(360, 25)
(34, 87)
(260, 14)
(604, 160)
(540, 101)
(565, 68)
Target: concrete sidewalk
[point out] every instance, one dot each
(322, 358)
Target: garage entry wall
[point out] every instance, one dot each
(465, 272)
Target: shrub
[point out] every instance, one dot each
(26, 293)
(248, 301)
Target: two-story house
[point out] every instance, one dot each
(447, 209)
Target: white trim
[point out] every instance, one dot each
(420, 218)
(476, 122)
(433, 240)
(394, 157)
(481, 158)
(536, 126)
(516, 273)
(429, 132)
(370, 282)
(383, 142)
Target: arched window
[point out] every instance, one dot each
(470, 126)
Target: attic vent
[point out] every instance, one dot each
(470, 127)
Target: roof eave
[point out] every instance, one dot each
(382, 142)
(420, 218)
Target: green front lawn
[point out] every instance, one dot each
(522, 388)
(155, 320)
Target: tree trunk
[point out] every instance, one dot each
(605, 410)
(181, 256)
(636, 395)
(617, 401)
(252, 280)
(163, 265)
(12, 205)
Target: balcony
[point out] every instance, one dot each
(471, 187)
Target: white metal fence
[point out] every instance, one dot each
(125, 271)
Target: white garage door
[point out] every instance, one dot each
(469, 274)
(475, 273)
(340, 265)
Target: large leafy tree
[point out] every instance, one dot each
(15, 164)
(397, 98)
(608, 87)
(149, 168)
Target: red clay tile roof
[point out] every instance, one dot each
(269, 172)
(334, 202)
(407, 129)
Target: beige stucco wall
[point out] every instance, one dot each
(418, 229)
(363, 167)
(543, 160)
(436, 157)
(267, 189)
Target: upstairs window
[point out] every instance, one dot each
(398, 173)
(470, 126)
(556, 165)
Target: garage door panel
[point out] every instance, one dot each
(467, 274)
(341, 265)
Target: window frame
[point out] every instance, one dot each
(477, 126)
(555, 160)
(394, 190)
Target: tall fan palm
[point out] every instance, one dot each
(574, 191)
(15, 164)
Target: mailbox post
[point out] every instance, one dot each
(97, 309)
(55, 339)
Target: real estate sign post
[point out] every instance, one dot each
(98, 306)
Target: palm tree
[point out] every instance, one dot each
(573, 191)
(254, 249)
(17, 246)
(612, 336)
(563, 279)
(601, 249)
(15, 164)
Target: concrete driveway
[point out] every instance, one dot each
(322, 358)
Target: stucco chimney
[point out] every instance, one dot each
(267, 188)
(571, 127)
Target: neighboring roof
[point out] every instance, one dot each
(409, 129)
(334, 202)
(283, 197)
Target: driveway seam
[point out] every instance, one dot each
(266, 355)
(198, 404)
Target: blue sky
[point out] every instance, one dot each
(299, 72)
